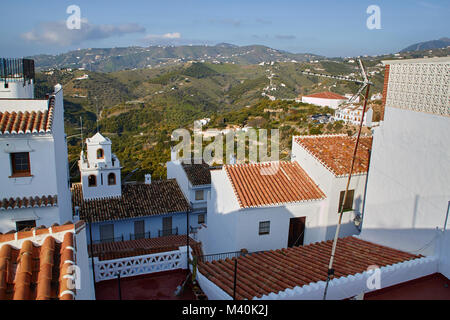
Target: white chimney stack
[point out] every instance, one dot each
(148, 178)
(173, 154)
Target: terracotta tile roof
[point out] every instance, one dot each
(28, 202)
(277, 270)
(137, 200)
(198, 174)
(326, 95)
(33, 122)
(34, 264)
(131, 248)
(271, 183)
(335, 152)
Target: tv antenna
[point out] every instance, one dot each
(364, 84)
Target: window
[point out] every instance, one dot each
(111, 179)
(20, 225)
(100, 154)
(139, 229)
(264, 227)
(348, 205)
(20, 164)
(199, 195)
(201, 218)
(107, 233)
(92, 181)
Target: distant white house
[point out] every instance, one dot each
(376, 96)
(83, 77)
(34, 180)
(352, 114)
(324, 99)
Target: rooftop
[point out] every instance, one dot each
(137, 200)
(198, 174)
(131, 248)
(34, 263)
(271, 183)
(326, 95)
(335, 152)
(27, 122)
(275, 271)
(28, 202)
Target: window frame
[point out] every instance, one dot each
(95, 180)
(19, 173)
(26, 224)
(102, 153)
(203, 195)
(264, 229)
(203, 218)
(347, 206)
(115, 181)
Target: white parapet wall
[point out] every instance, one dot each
(138, 265)
(339, 288)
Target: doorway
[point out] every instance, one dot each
(296, 231)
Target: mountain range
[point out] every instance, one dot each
(428, 45)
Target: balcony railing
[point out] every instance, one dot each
(106, 240)
(167, 232)
(16, 69)
(225, 255)
(137, 236)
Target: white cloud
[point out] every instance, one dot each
(56, 32)
(166, 36)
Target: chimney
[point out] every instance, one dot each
(148, 178)
(173, 154)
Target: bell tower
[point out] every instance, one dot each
(100, 169)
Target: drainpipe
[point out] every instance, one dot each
(365, 193)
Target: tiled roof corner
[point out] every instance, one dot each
(271, 183)
(36, 264)
(335, 152)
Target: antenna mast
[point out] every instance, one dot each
(365, 84)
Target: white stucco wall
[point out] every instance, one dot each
(49, 169)
(87, 290)
(17, 89)
(332, 187)
(408, 188)
(231, 228)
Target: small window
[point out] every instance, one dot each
(107, 233)
(100, 154)
(264, 227)
(111, 179)
(348, 205)
(92, 181)
(199, 195)
(20, 164)
(20, 225)
(6, 85)
(201, 218)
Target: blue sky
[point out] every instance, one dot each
(326, 27)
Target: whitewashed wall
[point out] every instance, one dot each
(332, 103)
(332, 187)
(231, 228)
(408, 188)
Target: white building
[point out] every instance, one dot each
(261, 207)
(324, 99)
(408, 191)
(100, 169)
(194, 180)
(352, 114)
(34, 181)
(327, 160)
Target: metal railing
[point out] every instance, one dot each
(168, 232)
(225, 255)
(106, 240)
(16, 69)
(137, 236)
